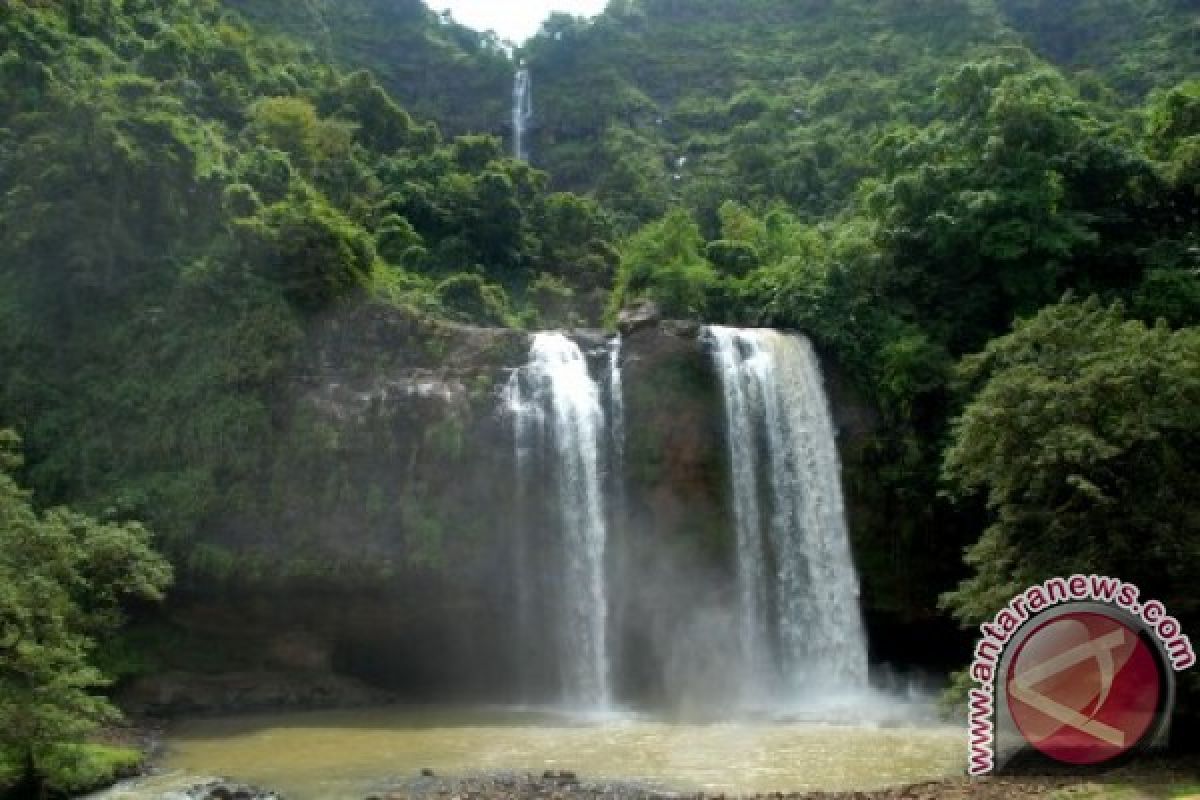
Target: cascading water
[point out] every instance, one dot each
(800, 625)
(616, 413)
(558, 414)
(522, 111)
(527, 425)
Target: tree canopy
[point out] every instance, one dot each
(64, 578)
(188, 189)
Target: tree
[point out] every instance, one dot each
(63, 578)
(663, 261)
(1084, 438)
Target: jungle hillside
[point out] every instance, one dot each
(226, 225)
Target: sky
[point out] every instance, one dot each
(513, 19)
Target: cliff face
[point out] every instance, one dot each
(373, 547)
(383, 546)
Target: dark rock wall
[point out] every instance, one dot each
(382, 547)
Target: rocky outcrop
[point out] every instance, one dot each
(644, 314)
(381, 547)
(176, 694)
(371, 548)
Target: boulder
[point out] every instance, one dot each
(643, 314)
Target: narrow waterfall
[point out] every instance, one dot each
(522, 111)
(801, 629)
(558, 415)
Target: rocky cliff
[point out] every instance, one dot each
(382, 548)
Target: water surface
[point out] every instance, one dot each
(349, 754)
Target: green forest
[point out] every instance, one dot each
(987, 212)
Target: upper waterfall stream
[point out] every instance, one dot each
(522, 112)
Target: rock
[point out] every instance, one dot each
(683, 328)
(644, 314)
(591, 338)
(427, 773)
(173, 694)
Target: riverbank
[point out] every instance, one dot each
(78, 768)
(1159, 780)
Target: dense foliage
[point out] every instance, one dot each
(1001, 183)
(435, 67)
(1083, 436)
(63, 578)
(183, 195)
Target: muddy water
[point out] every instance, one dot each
(330, 756)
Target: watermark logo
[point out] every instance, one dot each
(1076, 670)
(1084, 688)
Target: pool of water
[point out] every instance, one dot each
(349, 754)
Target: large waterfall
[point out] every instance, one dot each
(800, 625)
(558, 415)
(522, 111)
(796, 627)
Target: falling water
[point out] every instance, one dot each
(797, 589)
(557, 408)
(527, 424)
(522, 111)
(616, 413)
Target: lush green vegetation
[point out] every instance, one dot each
(184, 194)
(63, 580)
(182, 198)
(435, 67)
(70, 769)
(901, 180)
(904, 181)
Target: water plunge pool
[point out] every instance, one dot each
(352, 754)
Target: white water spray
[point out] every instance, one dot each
(801, 629)
(557, 406)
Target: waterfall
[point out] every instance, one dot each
(527, 425)
(558, 415)
(522, 111)
(616, 413)
(800, 625)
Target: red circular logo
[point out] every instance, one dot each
(1084, 688)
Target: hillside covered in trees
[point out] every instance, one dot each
(986, 212)
(902, 180)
